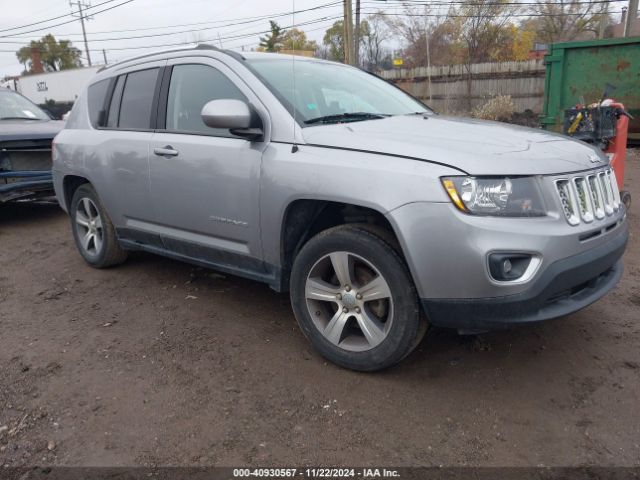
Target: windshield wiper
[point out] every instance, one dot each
(424, 114)
(350, 117)
(20, 118)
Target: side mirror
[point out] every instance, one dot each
(234, 115)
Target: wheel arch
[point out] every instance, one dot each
(303, 218)
(70, 184)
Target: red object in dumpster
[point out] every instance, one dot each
(605, 125)
(617, 149)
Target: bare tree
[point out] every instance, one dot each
(414, 27)
(373, 33)
(484, 24)
(484, 30)
(569, 19)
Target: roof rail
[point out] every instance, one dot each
(200, 46)
(207, 46)
(231, 53)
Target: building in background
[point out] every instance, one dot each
(58, 87)
(53, 91)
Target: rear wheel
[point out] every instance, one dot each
(93, 232)
(354, 299)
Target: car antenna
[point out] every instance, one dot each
(294, 147)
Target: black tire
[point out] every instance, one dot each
(392, 241)
(108, 251)
(406, 326)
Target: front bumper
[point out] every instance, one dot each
(447, 254)
(21, 185)
(566, 286)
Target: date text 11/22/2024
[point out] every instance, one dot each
(315, 473)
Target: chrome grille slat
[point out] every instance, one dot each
(568, 201)
(596, 196)
(606, 193)
(585, 204)
(611, 175)
(588, 197)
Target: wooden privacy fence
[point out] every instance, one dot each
(456, 88)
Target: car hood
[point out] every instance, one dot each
(29, 129)
(476, 147)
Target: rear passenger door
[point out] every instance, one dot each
(127, 129)
(206, 192)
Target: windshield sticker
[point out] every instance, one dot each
(312, 106)
(29, 114)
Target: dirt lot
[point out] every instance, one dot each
(159, 363)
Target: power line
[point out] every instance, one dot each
(248, 20)
(240, 21)
(73, 20)
(52, 18)
(248, 35)
(264, 17)
(213, 39)
(233, 37)
(164, 34)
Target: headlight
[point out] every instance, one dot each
(511, 197)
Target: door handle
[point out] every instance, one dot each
(166, 151)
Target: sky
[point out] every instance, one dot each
(232, 24)
(235, 24)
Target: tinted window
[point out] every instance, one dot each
(112, 118)
(191, 87)
(137, 99)
(96, 97)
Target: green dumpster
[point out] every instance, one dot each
(580, 70)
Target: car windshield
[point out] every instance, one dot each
(14, 106)
(332, 93)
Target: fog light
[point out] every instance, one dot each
(506, 267)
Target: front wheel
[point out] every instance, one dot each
(354, 298)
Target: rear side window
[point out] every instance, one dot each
(191, 87)
(97, 94)
(137, 100)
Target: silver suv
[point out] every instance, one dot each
(377, 215)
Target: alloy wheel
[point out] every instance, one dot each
(89, 226)
(349, 301)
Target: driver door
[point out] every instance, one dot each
(205, 182)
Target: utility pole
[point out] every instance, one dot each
(348, 32)
(632, 16)
(429, 66)
(356, 36)
(80, 4)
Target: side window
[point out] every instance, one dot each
(114, 107)
(96, 102)
(137, 99)
(191, 87)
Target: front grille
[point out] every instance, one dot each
(588, 197)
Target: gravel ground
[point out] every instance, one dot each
(159, 363)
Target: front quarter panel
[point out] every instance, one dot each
(379, 182)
